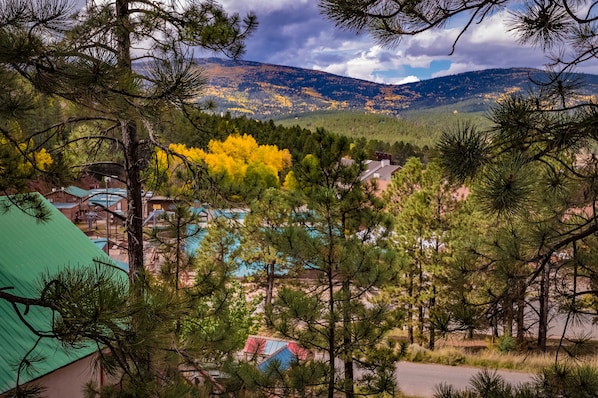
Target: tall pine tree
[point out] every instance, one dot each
(338, 234)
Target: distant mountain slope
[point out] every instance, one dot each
(270, 91)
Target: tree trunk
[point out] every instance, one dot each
(520, 315)
(508, 312)
(269, 283)
(543, 308)
(134, 221)
(331, 338)
(347, 342)
(432, 335)
(420, 305)
(410, 313)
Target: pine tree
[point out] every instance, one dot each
(337, 233)
(113, 65)
(120, 61)
(426, 211)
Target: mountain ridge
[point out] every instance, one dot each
(265, 91)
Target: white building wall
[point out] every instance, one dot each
(70, 381)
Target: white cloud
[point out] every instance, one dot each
(372, 64)
(260, 6)
(457, 67)
(494, 31)
(404, 80)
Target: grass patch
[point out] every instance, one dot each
(487, 358)
(483, 352)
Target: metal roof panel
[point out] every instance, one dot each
(29, 248)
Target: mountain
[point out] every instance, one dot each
(267, 91)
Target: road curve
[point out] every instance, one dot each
(420, 380)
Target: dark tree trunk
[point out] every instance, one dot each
(130, 139)
(331, 338)
(348, 342)
(134, 222)
(432, 303)
(520, 315)
(543, 308)
(508, 312)
(270, 282)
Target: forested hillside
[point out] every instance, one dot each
(296, 136)
(267, 91)
(421, 128)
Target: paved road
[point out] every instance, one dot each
(420, 380)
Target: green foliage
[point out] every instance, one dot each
(428, 217)
(221, 322)
(556, 381)
(420, 129)
(82, 62)
(536, 168)
(568, 381)
(330, 231)
(24, 155)
(506, 343)
(464, 150)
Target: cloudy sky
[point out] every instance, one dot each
(294, 33)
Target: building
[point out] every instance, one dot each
(268, 352)
(380, 171)
(113, 199)
(29, 248)
(70, 201)
(158, 204)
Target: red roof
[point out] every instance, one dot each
(299, 352)
(254, 345)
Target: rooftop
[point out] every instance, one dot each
(29, 248)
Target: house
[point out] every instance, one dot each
(113, 199)
(269, 352)
(70, 201)
(28, 248)
(380, 171)
(158, 204)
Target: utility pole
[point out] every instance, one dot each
(106, 181)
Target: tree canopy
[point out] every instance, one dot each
(535, 170)
(239, 166)
(119, 62)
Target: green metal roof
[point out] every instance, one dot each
(76, 191)
(27, 249)
(106, 197)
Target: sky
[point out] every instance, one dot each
(295, 33)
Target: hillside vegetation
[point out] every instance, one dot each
(419, 128)
(265, 91)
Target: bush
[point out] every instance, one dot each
(417, 353)
(506, 344)
(451, 356)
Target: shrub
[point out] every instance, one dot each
(417, 353)
(506, 344)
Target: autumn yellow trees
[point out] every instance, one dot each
(238, 165)
(20, 161)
